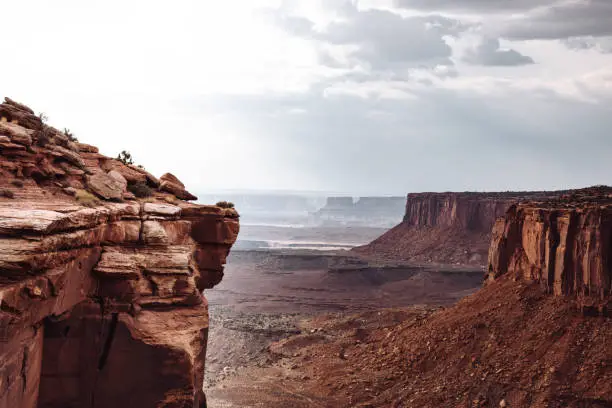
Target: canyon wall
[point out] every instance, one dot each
(451, 228)
(565, 244)
(102, 268)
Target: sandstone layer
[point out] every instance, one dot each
(448, 228)
(101, 299)
(564, 244)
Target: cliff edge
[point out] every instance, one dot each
(564, 244)
(102, 268)
(446, 228)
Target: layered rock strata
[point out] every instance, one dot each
(101, 299)
(447, 228)
(564, 244)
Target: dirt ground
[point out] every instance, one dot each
(269, 296)
(508, 345)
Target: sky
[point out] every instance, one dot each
(365, 97)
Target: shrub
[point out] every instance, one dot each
(86, 199)
(140, 189)
(225, 204)
(42, 133)
(70, 136)
(125, 157)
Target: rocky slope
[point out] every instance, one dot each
(537, 335)
(448, 228)
(100, 290)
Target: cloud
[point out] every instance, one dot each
(379, 39)
(489, 53)
(473, 6)
(563, 20)
(601, 44)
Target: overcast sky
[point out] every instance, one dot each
(366, 97)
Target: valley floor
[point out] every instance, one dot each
(273, 305)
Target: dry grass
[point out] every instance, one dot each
(86, 199)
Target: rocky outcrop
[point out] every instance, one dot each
(101, 299)
(447, 228)
(564, 244)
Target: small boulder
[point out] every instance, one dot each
(117, 176)
(105, 186)
(177, 191)
(172, 179)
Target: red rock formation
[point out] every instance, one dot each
(100, 293)
(564, 244)
(447, 228)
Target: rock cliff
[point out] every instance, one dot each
(447, 228)
(565, 244)
(102, 268)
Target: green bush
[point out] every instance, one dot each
(125, 157)
(140, 189)
(225, 204)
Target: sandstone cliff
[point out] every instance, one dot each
(451, 228)
(564, 244)
(101, 299)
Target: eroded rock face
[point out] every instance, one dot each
(564, 244)
(450, 228)
(101, 299)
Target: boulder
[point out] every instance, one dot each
(172, 179)
(105, 186)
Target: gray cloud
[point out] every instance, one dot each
(384, 38)
(379, 38)
(475, 6)
(601, 44)
(488, 53)
(564, 20)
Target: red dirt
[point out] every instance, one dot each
(509, 345)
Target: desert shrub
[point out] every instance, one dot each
(86, 199)
(125, 157)
(225, 204)
(17, 183)
(42, 133)
(140, 189)
(7, 193)
(69, 135)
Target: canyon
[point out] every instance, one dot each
(473, 300)
(536, 334)
(102, 267)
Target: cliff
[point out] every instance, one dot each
(101, 299)
(450, 228)
(564, 244)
